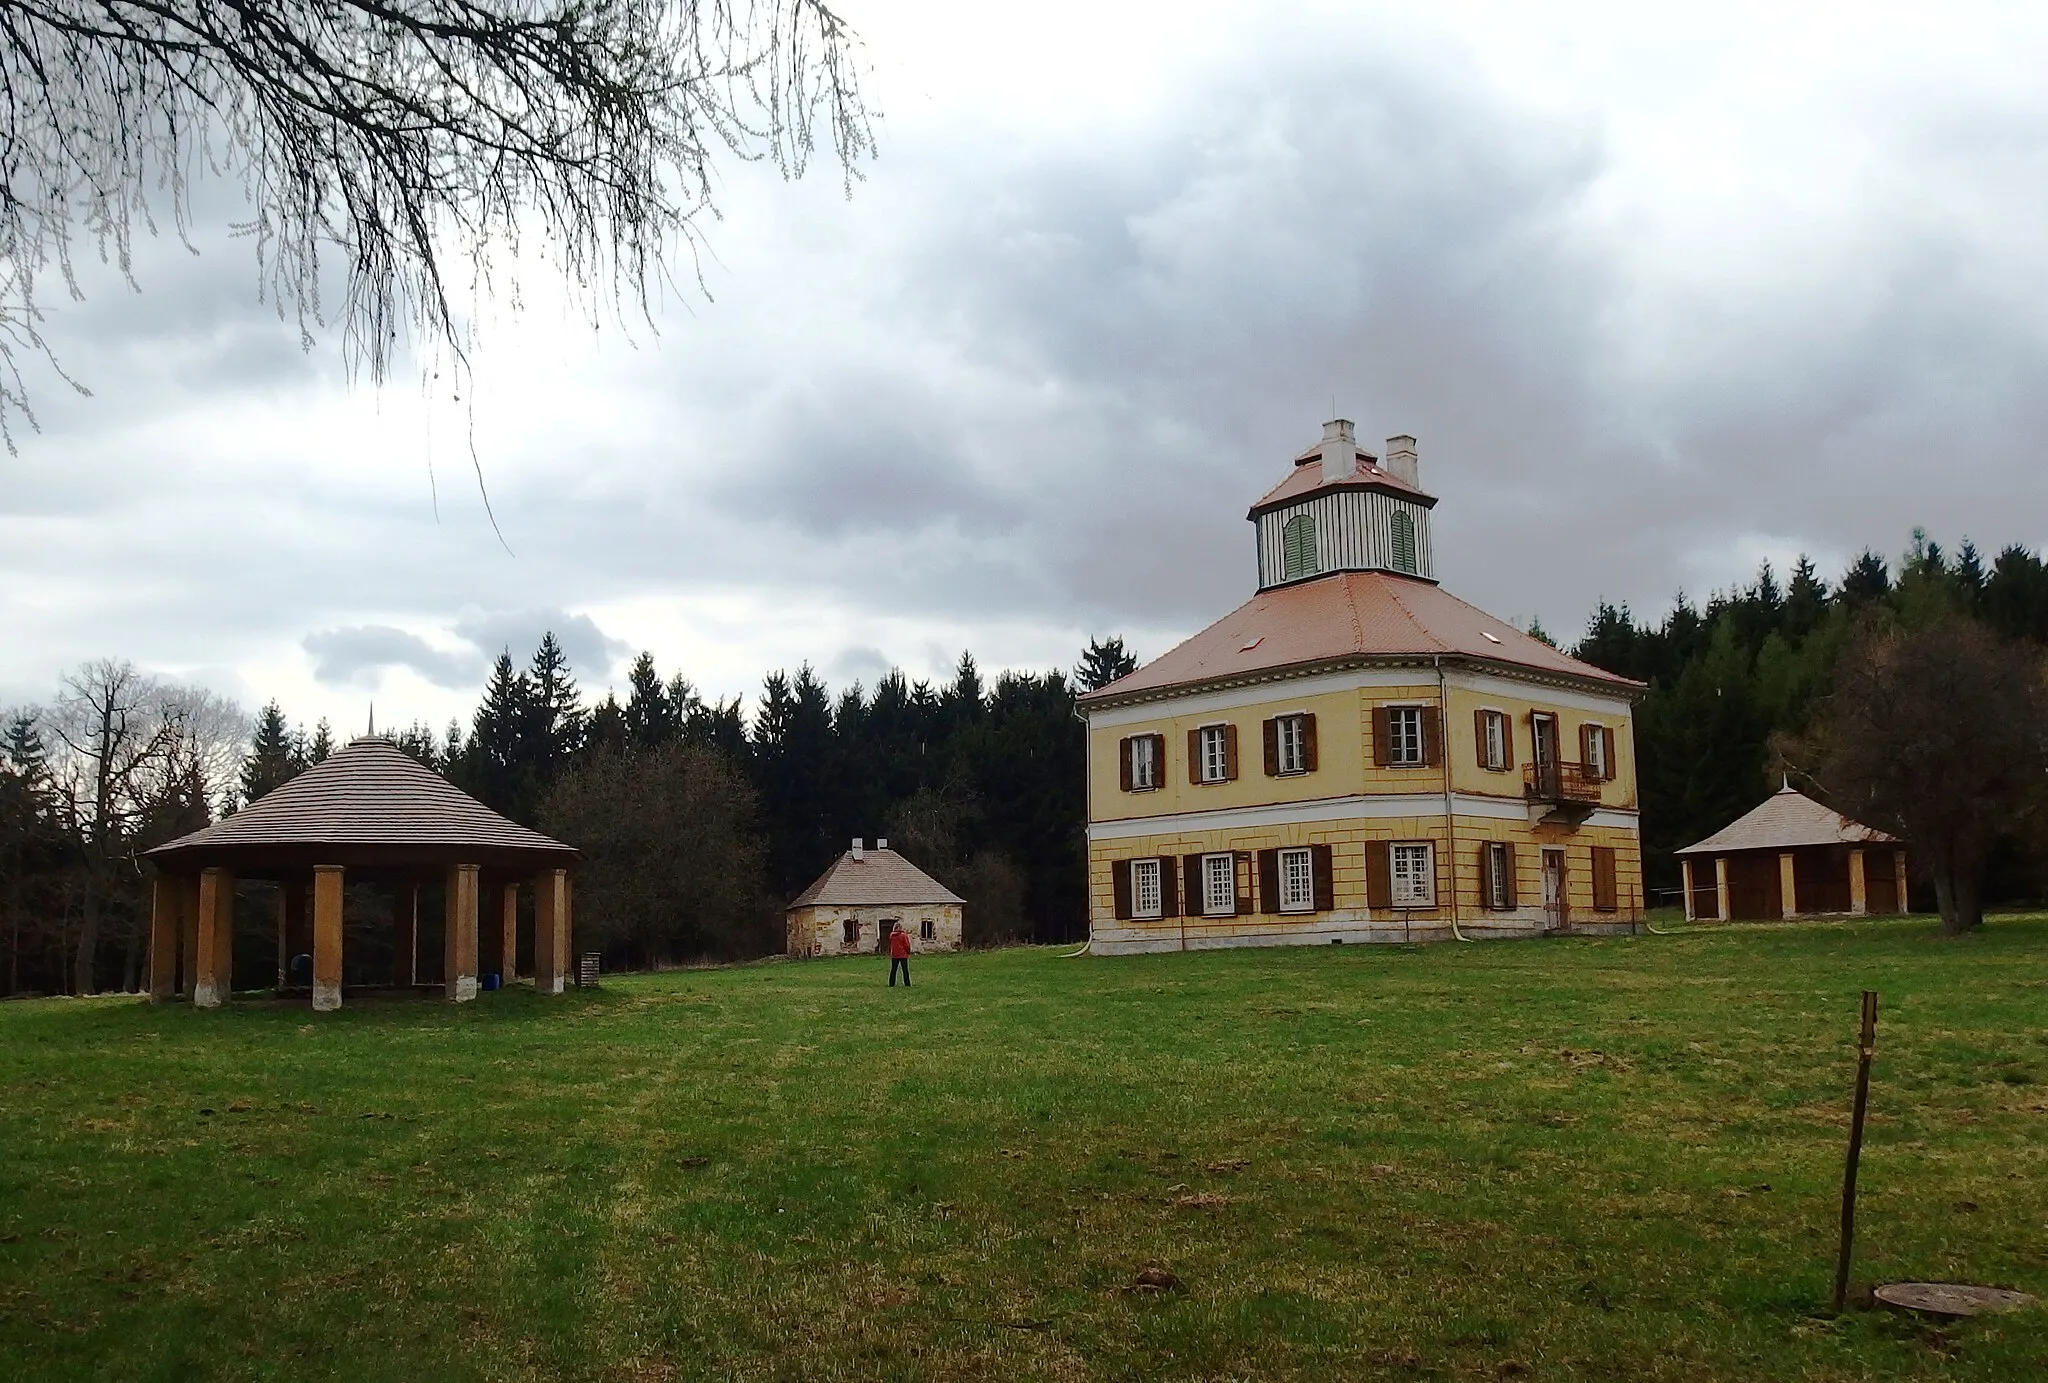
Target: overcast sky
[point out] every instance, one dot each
(1661, 297)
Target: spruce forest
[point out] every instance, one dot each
(700, 819)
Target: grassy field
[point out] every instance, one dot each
(1609, 1158)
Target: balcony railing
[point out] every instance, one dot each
(1559, 782)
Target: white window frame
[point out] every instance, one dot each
(1147, 873)
(1412, 871)
(1396, 717)
(1297, 879)
(1597, 742)
(1219, 885)
(927, 930)
(1145, 757)
(1496, 746)
(1290, 737)
(1497, 868)
(1215, 748)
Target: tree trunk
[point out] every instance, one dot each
(83, 979)
(1959, 895)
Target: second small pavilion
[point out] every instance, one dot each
(1793, 857)
(370, 813)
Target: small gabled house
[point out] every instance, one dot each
(864, 896)
(1355, 754)
(1793, 857)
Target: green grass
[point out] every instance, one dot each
(1612, 1158)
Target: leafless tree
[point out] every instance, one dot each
(404, 140)
(675, 864)
(1938, 734)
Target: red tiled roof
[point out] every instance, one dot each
(1307, 477)
(373, 793)
(1786, 820)
(880, 878)
(1346, 616)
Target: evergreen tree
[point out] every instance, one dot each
(1806, 598)
(556, 710)
(604, 732)
(495, 766)
(1102, 662)
(1867, 581)
(275, 755)
(652, 719)
(417, 740)
(321, 745)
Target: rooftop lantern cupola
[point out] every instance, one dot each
(1345, 510)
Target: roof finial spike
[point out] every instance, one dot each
(373, 719)
(1788, 784)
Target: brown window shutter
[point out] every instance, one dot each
(1240, 883)
(1432, 738)
(1194, 756)
(1485, 874)
(1607, 744)
(1123, 764)
(1603, 878)
(1272, 732)
(1169, 888)
(1379, 874)
(1120, 888)
(1324, 876)
(1230, 753)
(1507, 738)
(1308, 742)
(1191, 886)
(1479, 737)
(1158, 760)
(1269, 880)
(1508, 856)
(1382, 736)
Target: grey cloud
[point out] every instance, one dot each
(858, 663)
(592, 653)
(356, 656)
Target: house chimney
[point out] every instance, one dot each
(858, 853)
(881, 842)
(1340, 449)
(1401, 462)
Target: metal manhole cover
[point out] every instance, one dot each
(1949, 1298)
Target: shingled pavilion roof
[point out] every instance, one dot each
(1786, 820)
(369, 804)
(874, 878)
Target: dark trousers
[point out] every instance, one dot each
(899, 963)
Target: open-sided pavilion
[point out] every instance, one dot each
(1793, 857)
(370, 813)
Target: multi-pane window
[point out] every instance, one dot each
(1596, 752)
(1145, 763)
(1499, 876)
(1291, 740)
(1404, 542)
(1414, 878)
(1297, 881)
(1298, 548)
(1494, 743)
(1219, 885)
(1404, 736)
(850, 932)
(1215, 751)
(927, 930)
(1145, 901)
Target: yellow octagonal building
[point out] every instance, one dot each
(1355, 754)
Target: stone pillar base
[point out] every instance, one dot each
(463, 989)
(206, 994)
(551, 985)
(326, 997)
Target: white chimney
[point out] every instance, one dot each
(1340, 449)
(858, 853)
(1401, 462)
(881, 842)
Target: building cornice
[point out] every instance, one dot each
(1384, 487)
(1629, 691)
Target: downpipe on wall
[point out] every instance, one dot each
(1443, 722)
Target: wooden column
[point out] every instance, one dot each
(188, 935)
(460, 969)
(508, 935)
(1685, 877)
(166, 898)
(284, 937)
(327, 882)
(1788, 886)
(216, 948)
(1859, 886)
(405, 936)
(1720, 888)
(550, 930)
(1899, 881)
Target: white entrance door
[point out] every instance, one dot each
(1553, 889)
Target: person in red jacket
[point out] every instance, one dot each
(899, 955)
